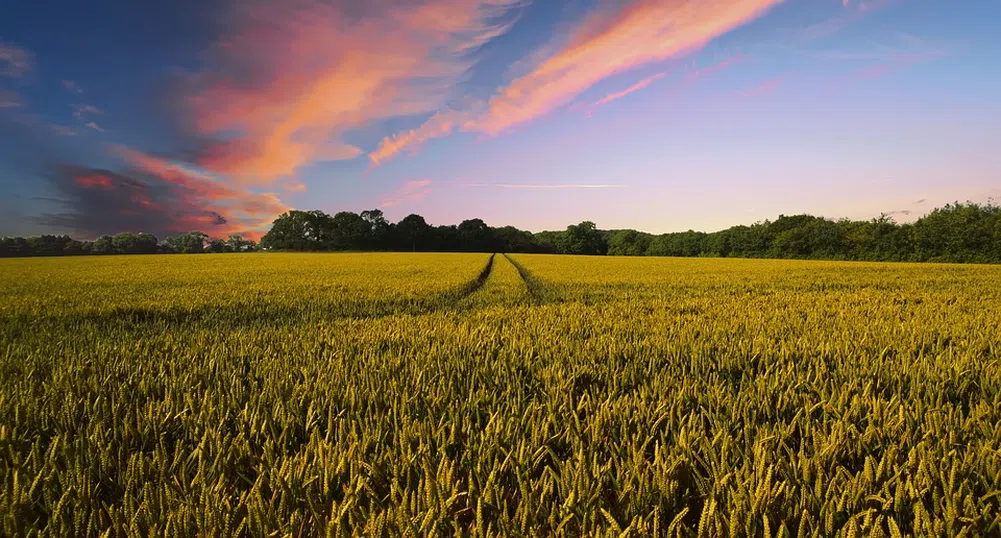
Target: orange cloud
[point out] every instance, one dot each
(239, 210)
(612, 42)
(608, 42)
(286, 87)
(634, 88)
(437, 126)
(546, 185)
(294, 186)
(94, 181)
(411, 191)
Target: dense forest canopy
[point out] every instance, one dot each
(959, 232)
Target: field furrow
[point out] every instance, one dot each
(504, 288)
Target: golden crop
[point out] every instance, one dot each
(417, 394)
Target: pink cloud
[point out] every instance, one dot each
(546, 185)
(697, 73)
(608, 42)
(72, 87)
(94, 181)
(243, 210)
(893, 63)
(851, 13)
(634, 88)
(763, 88)
(9, 99)
(411, 191)
(291, 80)
(81, 112)
(294, 186)
(62, 130)
(439, 125)
(15, 62)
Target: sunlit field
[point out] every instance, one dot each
(479, 395)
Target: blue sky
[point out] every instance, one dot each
(660, 116)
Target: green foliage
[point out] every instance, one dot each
(955, 233)
(628, 243)
(583, 238)
(464, 395)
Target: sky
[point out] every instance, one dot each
(219, 115)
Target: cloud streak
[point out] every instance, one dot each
(289, 82)
(156, 195)
(632, 89)
(15, 62)
(613, 41)
(72, 87)
(610, 41)
(411, 191)
(10, 99)
(764, 88)
(546, 185)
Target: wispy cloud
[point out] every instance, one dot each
(763, 88)
(71, 86)
(94, 126)
(439, 125)
(292, 81)
(545, 185)
(695, 72)
(98, 202)
(411, 191)
(15, 62)
(244, 210)
(632, 89)
(81, 112)
(899, 52)
(294, 186)
(610, 41)
(62, 130)
(899, 212)
(852, 11)
(10, 99)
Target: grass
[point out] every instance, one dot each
(403, 394)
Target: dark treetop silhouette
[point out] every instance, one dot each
(965, 233)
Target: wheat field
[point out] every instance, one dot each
(479, 395)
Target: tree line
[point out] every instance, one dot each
(123, 243)
(959, 232)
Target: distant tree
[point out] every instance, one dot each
(236, 243)
(959, 232)
(583, 238)
(475, 236)
(48, 245)
(189, 243)
(548, 242)
(103, 245)
(413, 232)
(351, 232)
(511, 239)
(379, 229)
(628, 243)
(217, 246)
(300, 230)
(129, 243)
